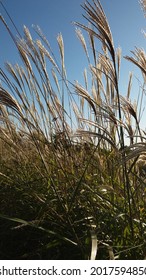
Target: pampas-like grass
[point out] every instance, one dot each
(66, 173)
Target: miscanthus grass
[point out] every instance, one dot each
(70, 185)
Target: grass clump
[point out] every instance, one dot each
(70, 188)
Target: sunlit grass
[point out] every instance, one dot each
(70, 188)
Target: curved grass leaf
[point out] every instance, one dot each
(32, 224)
(94, 246)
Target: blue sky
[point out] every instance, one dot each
(54, 16)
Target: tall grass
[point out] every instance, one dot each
(70, 187)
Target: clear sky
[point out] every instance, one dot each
(54, 16)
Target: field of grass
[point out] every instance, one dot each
(70, 186)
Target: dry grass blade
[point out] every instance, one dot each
(56, 80)
(61, 48)
(82, 40)
(82, 92)
(28, 38)
(5, 176)
(118, 60)
(45, 52)
(111, 253)
(8, 29)
(11, 70)
(129, 107)
(129, 86)
(94, 246)
(107, 68)
(94, 124)
(86, 79)
(139, 59)
(7, 100)
(97, 18)
(24, 56)
(33, 224)
(92, 42)
(82, 133)
(135, 150)
(70, 151)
